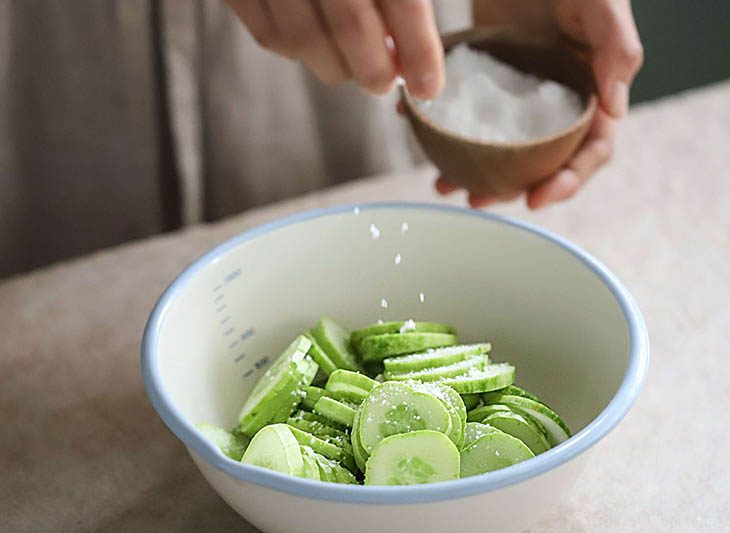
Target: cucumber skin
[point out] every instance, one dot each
(335, 410)
(440, 372)
(477, 383)
(328, 449)
(394, 327)
(436, 358)
(522, 405)
(539, 442)
(319, 356)
(342, 356)
(379, 347)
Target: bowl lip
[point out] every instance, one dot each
(473, 35)
(599, 427)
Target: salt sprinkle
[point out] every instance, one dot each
(403, 228)
(397, 259)
(421, 296)
(409, 325)
(374, 231)
(356, 210)
(380, 321)
(384, 303)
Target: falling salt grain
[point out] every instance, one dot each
(384, 303)
(403, 228)
(356, 210)
(397, 259)
(380, 321)
(409, 325)
(374, 231)
(421, 296)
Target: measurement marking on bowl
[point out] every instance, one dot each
(247, 334)
(233, 275)
(229, 331)
(248, 373)
(222, 307)
(217, 288)
(226, 319)
(218, 298)
(261, 363)
(238, 358)
(233, 344)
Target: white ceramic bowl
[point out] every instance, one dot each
(573, 331)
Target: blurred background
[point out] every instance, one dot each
(124, 119)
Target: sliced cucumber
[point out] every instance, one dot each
(480, 413)
(321, 358)
(316, 428)
(228, 443)
(393, 408)
(422, 456)
(434, 358)
(338, 411)
(323, 447)
(440, 372)
(453, 403)
(326, 468)
(311, 467)
(334, 340)
(358, 452)
(279, 387)
(396, 327)
(520, 427)
(493, 451)
(343, 475)
(351, 386)
(275, 447)
(379, 347)
(474, 431)
(312, 394)
(494, 376)
(557, 431)
(471, 401)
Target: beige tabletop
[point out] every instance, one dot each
(81, 448)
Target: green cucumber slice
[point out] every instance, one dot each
(317, 353)
(228, 443)
(471, 401)
(520, 427)
(480, 413)
(316, 428)
(276, 448)
(278, 387)
(396, 327)
(334, 340)
(434, 358)
(312, 395)
(474, 431)
(453, 403)
(307, 368)
(379, 347)
(358, 452)
(336, 410)
(415, 458)
(311, 468)
(556, 430)
(314, 417)
(344, 476)
(393, 408)
(494, 376)
(492, 451)
(440, 372)
(514, 390)
(326, 468)
(323, 447)
(351, 386)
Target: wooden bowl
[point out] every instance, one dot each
(487, 167)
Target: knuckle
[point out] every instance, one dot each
(633, 54)
(352, 21)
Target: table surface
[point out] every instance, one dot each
(82, 449)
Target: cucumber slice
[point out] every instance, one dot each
(494, 376)
(480, 413)
(453, 403)
(314, 417)
(279, 387)
(326, 468)
(312, 395)
(415, 458)
(321, 358)
(520, 427)
(395, 327)
(358, 452)
(434, 358)
(336, 410)
(440, 372)
(344, 476)
(318, 429)
(323, 447)
(311, 468)
(556, 430)
(227, 442)
(334, 340)
(492, 451)
(276, 448)
(474, 431)
(471, 401)
(351, 386)
(379, 347)
(393, 408)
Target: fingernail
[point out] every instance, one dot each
(619, 99)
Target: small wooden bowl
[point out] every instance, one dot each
(501, 167)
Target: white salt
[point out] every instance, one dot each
(409, 325)
(421, 296)
(403, 228)
(356, 210)
(488, 100)
(384, 303)
(397, 259)
(374, 231)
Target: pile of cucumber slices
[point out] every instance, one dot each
(400, 403)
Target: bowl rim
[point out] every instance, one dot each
(599, 427)
(474, 35)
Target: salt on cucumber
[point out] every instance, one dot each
(492, 451)
(474, 431)
(358, 452)
(275, 447)
(323, 447)
(453, 403)
(338, 411)
(316, 428)
(439, 372)
(555, 428)
(434, 358)
(317, 353)
(379, 347)
(480, 413)
(423, 456)
(312, 394)
(229, 444)
(351, 386)
(520, 427)
(397, 327)
(334, 340)
(311, 467)
(492, 377)
(393, 408)
(279, 388)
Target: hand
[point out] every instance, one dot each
(341, 40)
(606, 29)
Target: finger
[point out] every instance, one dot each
(617, 51)
(593, 153)
(478, 201)
(360, 33)
(305, 37)
(256, 16)
(417, 44)
(444, 186)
